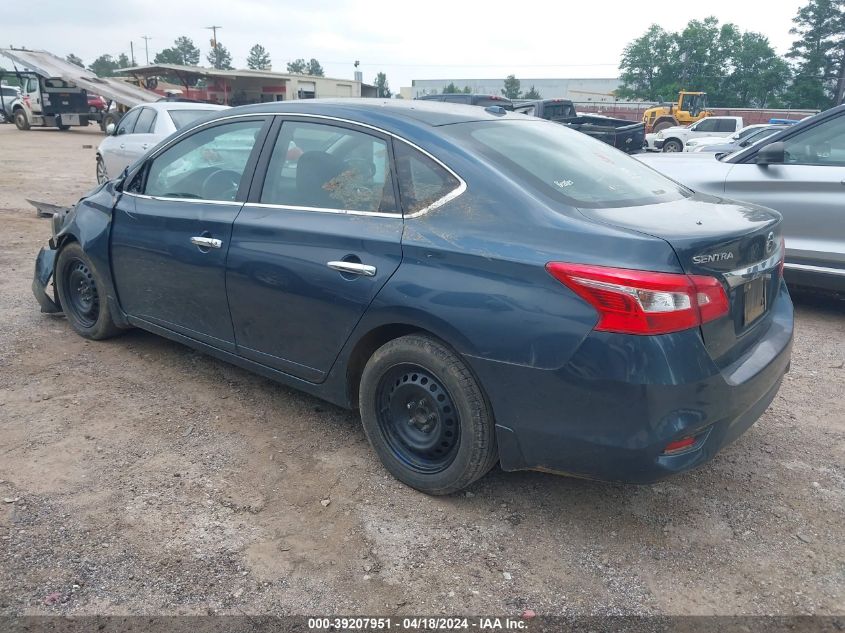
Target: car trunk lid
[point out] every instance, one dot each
(739, 244)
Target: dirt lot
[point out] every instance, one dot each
(139, 476)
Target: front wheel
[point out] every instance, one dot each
(102, 174)
(672, 146)
(81, 292)
(21, 122)
(426, 416)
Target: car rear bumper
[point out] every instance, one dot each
(612, 410)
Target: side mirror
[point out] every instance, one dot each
(110, 129)
(772, 154)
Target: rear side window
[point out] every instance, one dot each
(486, 102)
(146, 121)
(324, 166)
(181, 118)
(564, 164)
(726, 125)
(422, 181)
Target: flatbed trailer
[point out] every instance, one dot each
(68, 109)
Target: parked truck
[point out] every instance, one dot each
(622, 134)
(55, 93)
(50, 102)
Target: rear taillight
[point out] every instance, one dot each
(782, 256)
(643, 302)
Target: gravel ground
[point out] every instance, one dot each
(140, 477)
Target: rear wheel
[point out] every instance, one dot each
(425, 415)
(21, 122)
(672, 145)
(63, 128)
(81, 293)
(662, 125)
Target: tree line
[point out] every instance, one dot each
(741, 68)
(185, 53)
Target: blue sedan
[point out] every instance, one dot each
(484, 287)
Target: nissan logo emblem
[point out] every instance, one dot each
(770, 242)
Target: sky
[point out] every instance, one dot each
(433, 39)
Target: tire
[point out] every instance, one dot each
(109, 117)
(63, 128)
(102, 174)
(80, 290)
(21, 122)
(426, 416)
(4, 118)
(662, 125)
(673, 145)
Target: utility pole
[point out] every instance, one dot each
(132, 52)
(147, 39)
(213, 30)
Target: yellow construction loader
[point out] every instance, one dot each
(691, 107)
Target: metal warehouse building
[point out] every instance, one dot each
(594, 89)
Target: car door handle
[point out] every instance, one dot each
(353, 268)
(123, 146)
(144, 146)
(206, 242)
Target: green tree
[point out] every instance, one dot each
(314, 68)
(511, 89)
(104, 66)
(301, 67)
(533, 94)
(183, 52)
(734, 68)
(219, 57)
(123, 60)
(647, 66)
(298, 66)
(818, 55)
(382, 87)
(73, 59)
(467, 90)
(258, 58)
(451, 88)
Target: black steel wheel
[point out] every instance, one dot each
(426, 416)
(81, 294)
(83, 299)
(418, 418)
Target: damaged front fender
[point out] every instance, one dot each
(45, 266)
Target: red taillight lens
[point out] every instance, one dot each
(643, 302)
(679, 445)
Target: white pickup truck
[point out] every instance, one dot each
(673, 139)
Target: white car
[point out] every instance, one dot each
(694, 143)
(141, 129)
(673, 139)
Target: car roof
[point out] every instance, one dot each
(386, 113)
(160, 106)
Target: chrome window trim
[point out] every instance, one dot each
(291, 207)
(741, 275)
(457, 191)
(172, 199)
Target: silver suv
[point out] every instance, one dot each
(800, 172)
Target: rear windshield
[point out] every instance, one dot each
(558, 111)
(181, 118)
(486, 102)
(565, 164)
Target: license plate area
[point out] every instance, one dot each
(754, 299)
